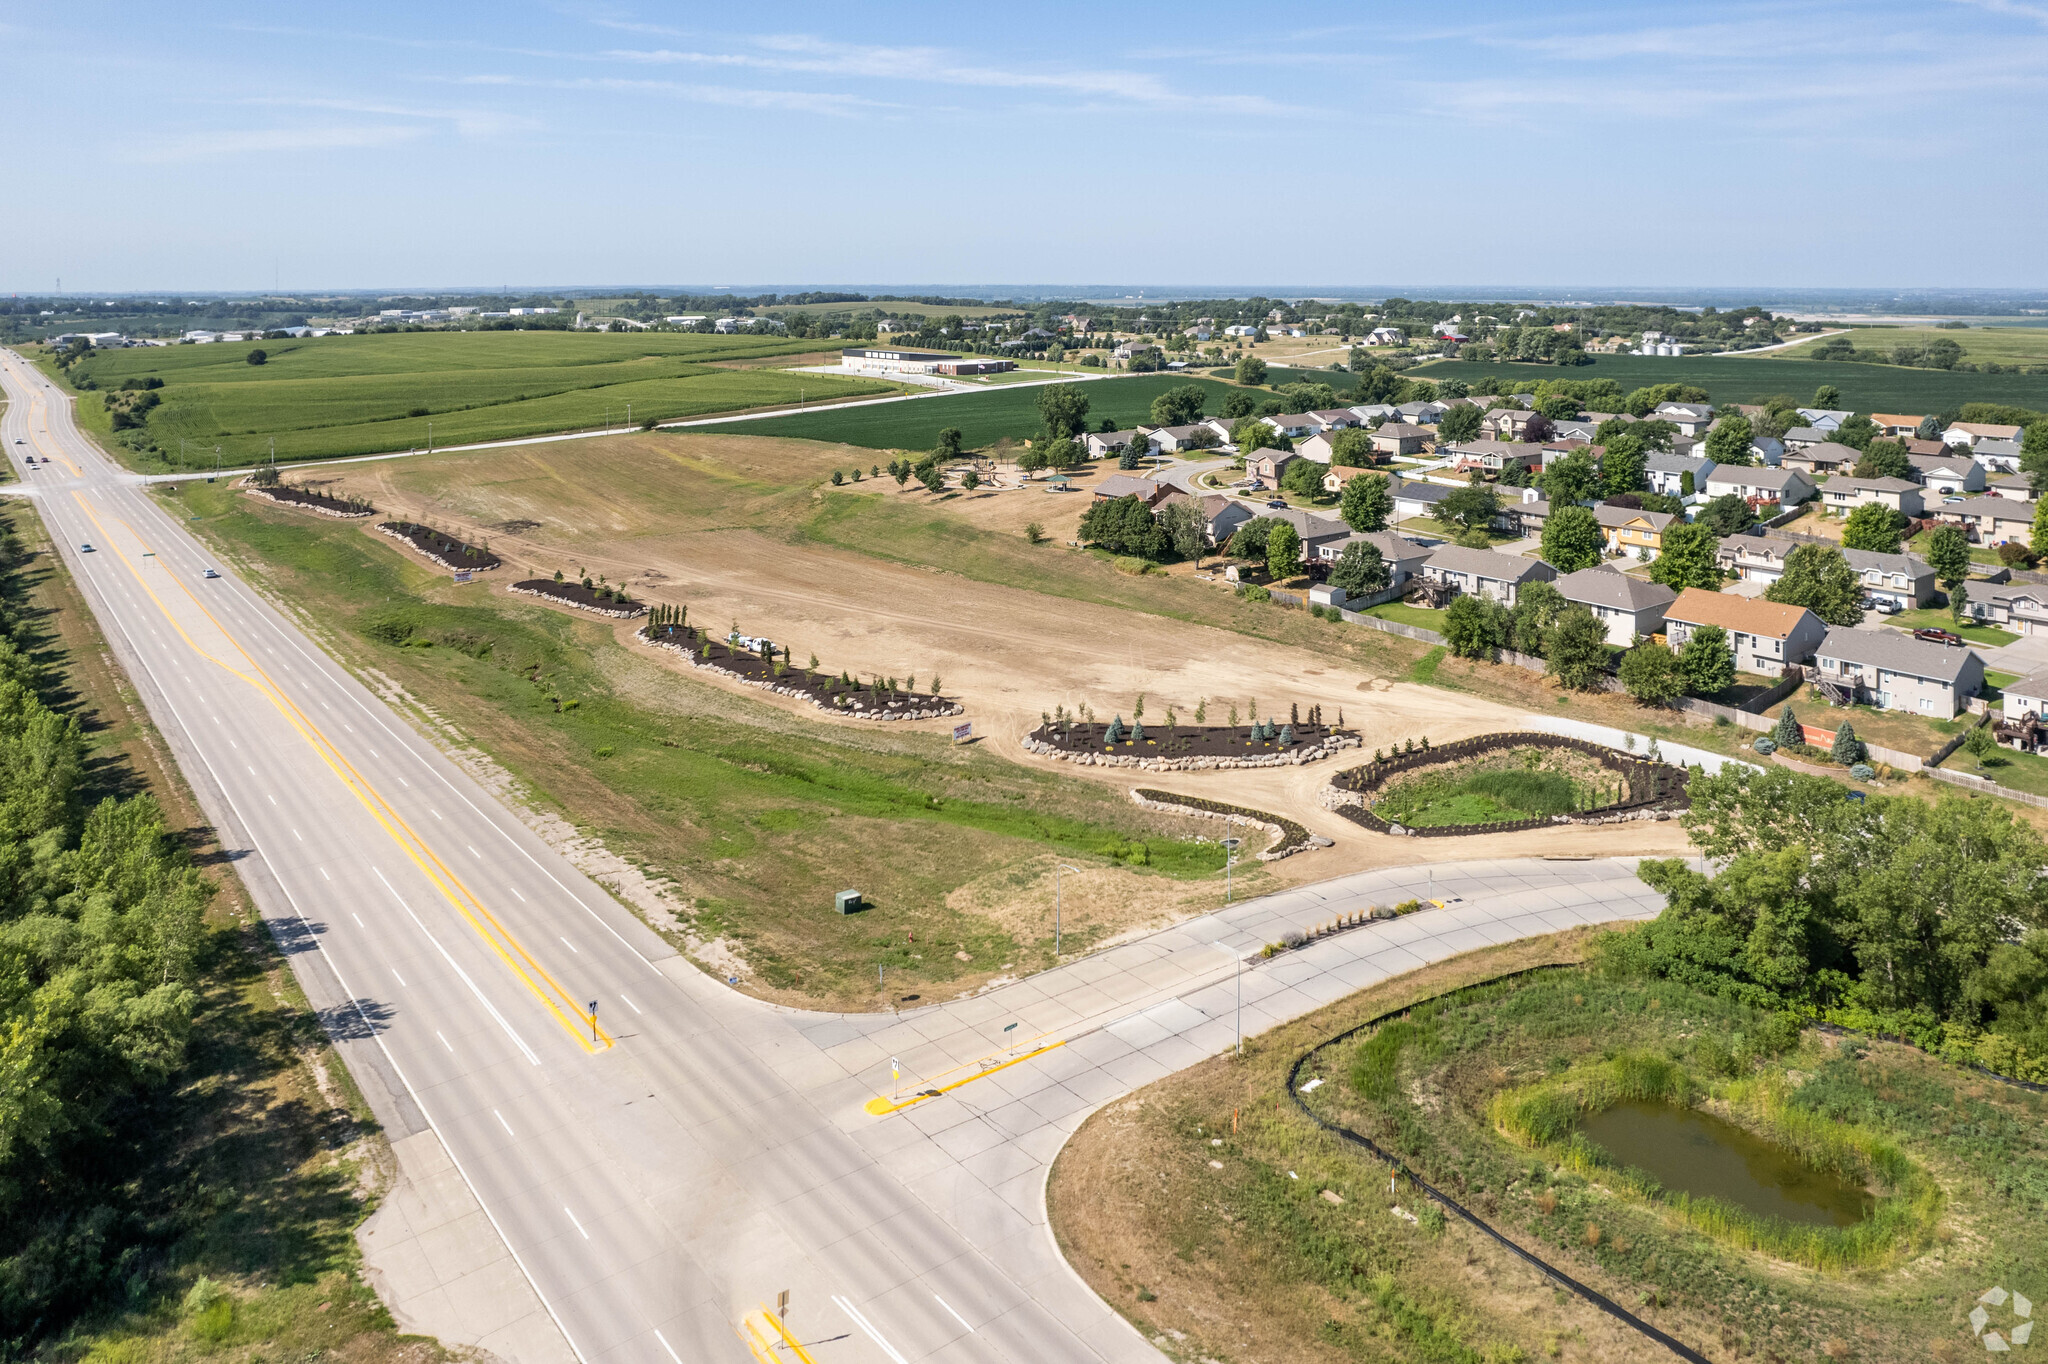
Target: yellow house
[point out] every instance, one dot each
(1637, 533)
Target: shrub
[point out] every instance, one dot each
(1863, 771)
(1253, 592)
(1766, 745)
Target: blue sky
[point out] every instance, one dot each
(215, 146)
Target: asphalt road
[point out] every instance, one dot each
(660, 1154)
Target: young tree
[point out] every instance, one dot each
(2039, 538)
(1180, 521)
(1818, 578)
(970, 480)
(1368, 504)
(1577, 648)
(1687, 559)
(949, 443)
(1651, 673)
(1572, 538)
(1283, 551)
(1251, 434)
(1948, 554)
(1728, 514)
(1474, 627)
(1064, 409)
(1874, 527)
(1470, 508)
(1361, 570)
(1728, 442)
(1958, 602)
(1707, 662)
(1789, 730)
(1847, 748)
(1459, 423)
(1062, 453)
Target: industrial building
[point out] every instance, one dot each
(888, 360)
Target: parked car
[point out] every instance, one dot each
(1884, 606)
(1948, 637)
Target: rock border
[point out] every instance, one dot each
(277, 501)
(1294, 758)
(856, 710)
(407, 541)
(1293, 838)
(639, 608)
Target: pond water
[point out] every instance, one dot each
(1699, 1154)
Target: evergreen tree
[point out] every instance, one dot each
(1847, 749)
(1789, 730)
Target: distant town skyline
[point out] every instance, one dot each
(1781, 147)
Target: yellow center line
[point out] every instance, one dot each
(883, 1105)
(576, 1022)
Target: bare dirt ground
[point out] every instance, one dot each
(699, 520)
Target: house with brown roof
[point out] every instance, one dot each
(1991, 520)
(1404, 558)
(1511, 423)
(1221, 516)
(1818, 459)
(1399, 438)
(1495, 455)
(1269, 464)
(1766, 637)
(1336, 418)
(1969, 433)
(1786, 487)
(1146, 490)
(1897, 425)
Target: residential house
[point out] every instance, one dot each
(1626, 606)
(1844, 493)
(1969, 433)
(2018, 486)
(1755, 555)
(1897, 425)
(1784, 486)
(1666, 473)
(1399, 438)
(1495, 455)
(1531, 514)
(1997, 456)
(1950, 474)
(1767, 450)
(1319, 448)
(1104, 443)
(1578, 429)
(1221, 516)
(1415, 497)
(1422, 413)
(1485, 573)
(1509, 422)
(1633, 531)
(1385, 336)
(1372, 412)
(1173, 440)
(1404, 558)
(1146, 490)
(1240, 329)
(1898, 578)
(1818, 458)
(1825, 418)
(2019, 607)
(1294, 424)
(1691, 419)
(1799, 437)
(1336, 418)
(1269, 464)
(1315, 531)
(1991, 520)
(1890, 669)
(1222, 426)
(2029, 694)
(1766, 637)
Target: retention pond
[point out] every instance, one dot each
(1698, 1154)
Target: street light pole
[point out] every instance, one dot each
(1057, 869)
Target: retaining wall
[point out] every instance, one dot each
(1208, 763)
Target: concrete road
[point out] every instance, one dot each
(611, 1156)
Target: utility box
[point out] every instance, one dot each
(848, 902)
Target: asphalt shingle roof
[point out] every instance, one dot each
(1617, 591)
(1895, 652)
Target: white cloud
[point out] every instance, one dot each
(252, 141)
(737, 97)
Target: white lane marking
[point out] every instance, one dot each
(347, 726)
(444, 1041)
(491, 1008)
(324, 876)
(233, 744)
(631, 1005)
(432, 811)
(406, 784)
(506, 1125)
(473, 852)
(572, 1218)
(358, 918)
(252, 771)
(515, 891)
(949, 1307)
(272, 799)
(670, 1348)
(296, 834)
(401, 979)
(566, 943)
(868, 1326)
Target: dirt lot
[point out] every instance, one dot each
(711, 521)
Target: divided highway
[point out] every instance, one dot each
(660, 1155)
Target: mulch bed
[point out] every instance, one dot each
(1183, 741)
(444, 550)
(311, 501)
(581, 597)
(872, 700)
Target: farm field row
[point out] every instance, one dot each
(2001, 345)
(1749, 379)
(337, 396)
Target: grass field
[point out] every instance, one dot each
(983, 418)
(1740, 379)
(1989, 635)
(256, 1161)
(1207, 1207)
(348, 395)
(2000, 345)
